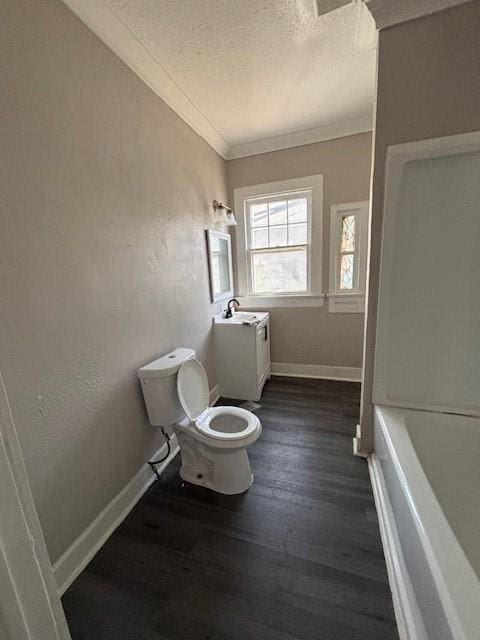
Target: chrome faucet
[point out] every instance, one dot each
(228, 310)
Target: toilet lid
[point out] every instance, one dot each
(192, 387)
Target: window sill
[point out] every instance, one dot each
(346, 302)
(270, 302)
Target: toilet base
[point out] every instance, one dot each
(220, 470)
(204, 483)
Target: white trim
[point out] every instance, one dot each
(346, 303)
(30, 606)
(322, 372)
(307, 183)
(69, 566)
(108, 26)
(213, 395)
(429, 147)
(409, 620)
(357, 441)
(390, 12)
(363, 124)
(273, 302)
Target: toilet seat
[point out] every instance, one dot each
(227, 417)
(225, 423)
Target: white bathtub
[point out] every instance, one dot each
(426, 478)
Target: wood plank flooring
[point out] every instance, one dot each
(297, 557)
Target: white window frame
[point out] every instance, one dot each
(314, 295)
(351, 300)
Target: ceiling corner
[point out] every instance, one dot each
(106, 25)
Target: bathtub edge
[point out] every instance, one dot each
(408, 617)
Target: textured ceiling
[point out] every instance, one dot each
(261, 68)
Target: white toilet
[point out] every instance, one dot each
(213, 440)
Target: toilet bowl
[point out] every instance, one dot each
(213, 441)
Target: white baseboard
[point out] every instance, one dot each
(81, 551)
(78, 555)
(409, 620)
(347, 374)
(214, 395)
(357, 452)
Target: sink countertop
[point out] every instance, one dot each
(242, 316)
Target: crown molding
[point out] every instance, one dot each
(331, 131)
(388, 13)
(98, 16)
(107, 25)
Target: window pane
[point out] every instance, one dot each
(346, 271)
(260, 237)
(297, 210)
(278, 212)
(297, 234)
(278, 236)
(348, 234)
(258, 214)
(279, 271)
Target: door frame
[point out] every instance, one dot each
(30, 605)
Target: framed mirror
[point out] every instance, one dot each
(220, 264)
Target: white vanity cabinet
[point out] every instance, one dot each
(242, 354)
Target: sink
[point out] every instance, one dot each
(243, 316)
(251, 317)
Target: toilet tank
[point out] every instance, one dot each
(159, 386)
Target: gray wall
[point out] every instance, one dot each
(105, 198)
(313, 335)
(428, 86)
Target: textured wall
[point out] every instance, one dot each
(428, 86)
(105, 198)
(313, 335)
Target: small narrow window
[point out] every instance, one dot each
(348, 253)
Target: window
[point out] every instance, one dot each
(278, 243)
(274, 240)
(347, 273)
(348, 244)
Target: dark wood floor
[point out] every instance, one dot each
(297, 557)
